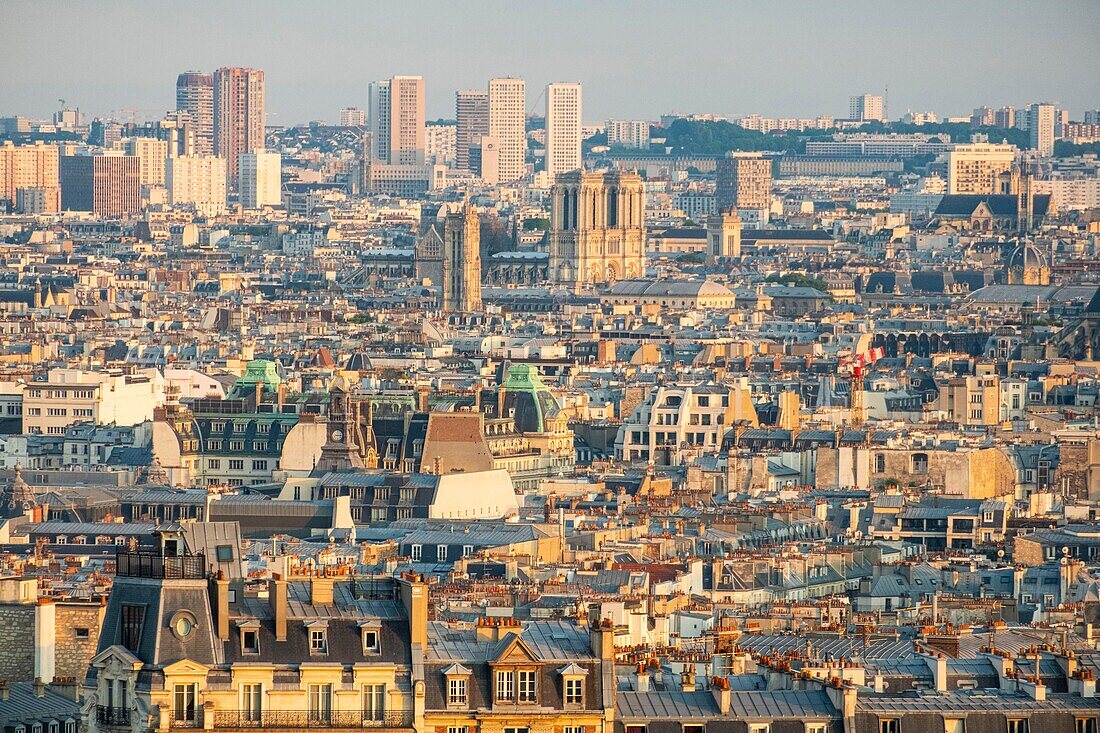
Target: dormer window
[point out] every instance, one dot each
(457, 686)
(572, 676)
(372, 638)
(457, 691)
(318, 638)
(250, 639)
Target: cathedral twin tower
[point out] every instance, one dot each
(597, 228)
(597, 236)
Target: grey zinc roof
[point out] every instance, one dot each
(548, 640)
(22, 705)
(298, 606)
(744, 705)
(657, 705)
(833, 647)
(985, 700)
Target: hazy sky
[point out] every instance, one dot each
(636, 59)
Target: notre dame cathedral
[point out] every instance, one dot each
(597, 228)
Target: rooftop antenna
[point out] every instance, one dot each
(886, 104)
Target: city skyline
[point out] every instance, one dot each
(712, 67)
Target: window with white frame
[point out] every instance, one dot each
(505, 687)
(252, 697)
(320, 703)
(457, 690)
(374, 702)
(441, 553)
(371, 641)
(318, 641)
(183, 703)
(574, 690)
(526, 685)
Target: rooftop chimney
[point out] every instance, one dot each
(45, 640)
(320, 590)
(643, 678)
(221, 605)
(414, 596)
(276, 595)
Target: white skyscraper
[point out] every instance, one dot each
(865, 107)
(507, 126)
(352, 117)
(563, 127)
(198, 180)
(1040, 128)
(628, 133)
(378, 119)
(472, 117)
(153, 153)
(260, 179)
(396, 120)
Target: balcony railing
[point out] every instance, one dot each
(289, 719)
(192, 719)
(156, 565)
(112, 717)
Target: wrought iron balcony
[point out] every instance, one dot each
(290, 719)
(155, 565)
(109, 717)
(193, 720)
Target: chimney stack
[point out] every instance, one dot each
(320, 590)
(221, 605)
(643, 678)
(414, 596)
(276, 595)
(45, 640)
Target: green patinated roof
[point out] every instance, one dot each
(529, 398)
(257, 371)
(524, 378)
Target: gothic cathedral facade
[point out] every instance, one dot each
(597, 228)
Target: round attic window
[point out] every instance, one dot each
(183, 624)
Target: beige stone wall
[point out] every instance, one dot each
(1027, 552)
(17, 642)
(975, 474)
(992, 474)
(1074, 470)
(74, 653)
(747, 473)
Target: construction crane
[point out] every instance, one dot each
(853, 365)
